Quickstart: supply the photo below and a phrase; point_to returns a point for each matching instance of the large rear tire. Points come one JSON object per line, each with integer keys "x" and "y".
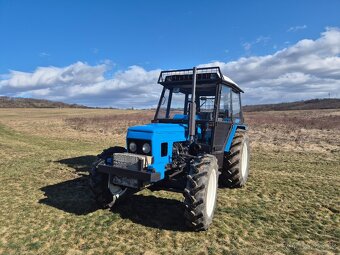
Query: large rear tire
{"x": 201, "y": 192}
{"x": 236, "y": 163}
{"x": 99, "y": 181}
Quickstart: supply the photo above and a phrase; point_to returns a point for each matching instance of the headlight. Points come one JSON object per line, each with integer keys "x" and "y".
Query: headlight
{"x": 133, "y": 147}
{"x": 146, "y": 148}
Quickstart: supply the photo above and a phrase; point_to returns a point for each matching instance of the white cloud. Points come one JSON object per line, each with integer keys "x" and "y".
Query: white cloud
{"x": 83, "y": 83}
{"x": 263, "y": 40}
{"x": 307, "y": 69}
{"x": 296, "y": 28}
{"x": 44, "y": 54}
{"x": 78, "y": 73}
{"x": 246, "y": 46}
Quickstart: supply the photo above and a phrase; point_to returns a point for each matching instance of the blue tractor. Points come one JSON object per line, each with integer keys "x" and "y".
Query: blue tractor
{"x": 196, "y": 142}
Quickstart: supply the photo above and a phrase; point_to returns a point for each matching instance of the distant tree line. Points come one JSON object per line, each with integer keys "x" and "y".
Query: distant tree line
{"x": 312, "y": 104}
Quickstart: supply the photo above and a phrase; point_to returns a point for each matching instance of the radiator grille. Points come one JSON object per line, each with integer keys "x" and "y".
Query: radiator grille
{"x": 130, "y": 161}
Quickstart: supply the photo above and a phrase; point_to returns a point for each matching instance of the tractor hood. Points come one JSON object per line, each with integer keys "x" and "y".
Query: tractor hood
{"x": 159, "y": 128}
{"x": 161, "y": 137}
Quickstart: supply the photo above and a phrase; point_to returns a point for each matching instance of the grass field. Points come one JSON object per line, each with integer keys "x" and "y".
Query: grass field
{"x": 290, "y": 204}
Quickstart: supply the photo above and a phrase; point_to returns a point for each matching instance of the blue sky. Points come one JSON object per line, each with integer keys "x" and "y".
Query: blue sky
{"x": 114, "y": 46}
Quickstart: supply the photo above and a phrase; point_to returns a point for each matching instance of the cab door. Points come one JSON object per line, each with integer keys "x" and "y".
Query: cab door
{"x": 224, "y": 119}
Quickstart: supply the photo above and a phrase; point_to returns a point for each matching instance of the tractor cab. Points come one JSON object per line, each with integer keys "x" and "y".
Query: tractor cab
{"x": 217, "y": 106}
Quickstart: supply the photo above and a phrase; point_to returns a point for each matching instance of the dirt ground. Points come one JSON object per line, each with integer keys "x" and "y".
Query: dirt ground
{"x": 290, "y": 204}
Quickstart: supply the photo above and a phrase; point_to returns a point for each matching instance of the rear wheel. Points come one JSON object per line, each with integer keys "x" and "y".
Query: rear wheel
{"x": 201, "y": 192}
{"x": 105, "y": 193}
{"x": 236, "y": 163}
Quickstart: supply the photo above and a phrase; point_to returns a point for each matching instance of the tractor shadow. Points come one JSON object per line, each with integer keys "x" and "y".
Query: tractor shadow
{"x": 74, "y": 196}
{"x": 80, "y": 164}
{"x": 154, "y": 212}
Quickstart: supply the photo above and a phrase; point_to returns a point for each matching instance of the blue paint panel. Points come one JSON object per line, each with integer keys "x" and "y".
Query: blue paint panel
{"x": 232, "y": 135}
{"x": 158, "y": 128}
{"x": 184, "y": 117}
{"x": 159, "y": 133}
{"x": 180, "y": 117}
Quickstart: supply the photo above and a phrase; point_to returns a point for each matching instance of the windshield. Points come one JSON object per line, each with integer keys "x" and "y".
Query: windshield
{"x": 174, "y": 104}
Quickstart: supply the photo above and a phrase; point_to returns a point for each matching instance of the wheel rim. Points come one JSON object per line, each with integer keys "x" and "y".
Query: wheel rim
{"x": 244, "y": 160}
{"x": 211, "y": 193}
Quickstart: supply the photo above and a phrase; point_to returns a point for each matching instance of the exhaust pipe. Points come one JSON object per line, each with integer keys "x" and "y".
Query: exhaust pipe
{"x": 192, "y": 117}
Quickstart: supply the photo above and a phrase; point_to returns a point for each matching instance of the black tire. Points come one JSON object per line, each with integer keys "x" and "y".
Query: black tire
{"x": 199, "y": 205}
{"x": 234, "y": 173}
{"x": 99, "y": 181}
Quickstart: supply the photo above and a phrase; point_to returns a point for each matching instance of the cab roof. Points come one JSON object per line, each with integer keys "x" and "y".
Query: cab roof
{"x": 206, "y": 77}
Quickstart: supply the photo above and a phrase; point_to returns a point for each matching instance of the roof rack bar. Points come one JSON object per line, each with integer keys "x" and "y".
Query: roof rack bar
{"x": 189, "y": 72}
{"x": 211, "y": 75}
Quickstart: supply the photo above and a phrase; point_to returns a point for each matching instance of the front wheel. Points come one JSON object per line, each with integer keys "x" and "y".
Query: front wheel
{"x": 201, "y": 192}
{"x": 106, "y": 194}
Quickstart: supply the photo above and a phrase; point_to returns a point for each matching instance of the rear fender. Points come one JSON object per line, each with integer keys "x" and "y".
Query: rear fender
{"x": 232, "y": 135}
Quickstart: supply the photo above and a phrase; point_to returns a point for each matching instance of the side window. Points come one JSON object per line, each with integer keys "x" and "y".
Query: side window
{"x": 225, "y": 103}
{"x": 163, "y": 105}
{"x": 177, "y": 104}
{"x": 236, "y": 105}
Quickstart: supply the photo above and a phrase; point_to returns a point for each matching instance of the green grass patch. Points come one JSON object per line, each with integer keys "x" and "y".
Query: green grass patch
{"x": 290, "y": 205}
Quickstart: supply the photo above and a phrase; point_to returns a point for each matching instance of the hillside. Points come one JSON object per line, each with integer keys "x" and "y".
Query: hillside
{"x": 313, "y": 104}
{"x": 17, "y": 102}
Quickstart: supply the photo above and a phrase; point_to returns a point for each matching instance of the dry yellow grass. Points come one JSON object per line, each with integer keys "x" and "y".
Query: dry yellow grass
{"x": 289, "y": 206}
